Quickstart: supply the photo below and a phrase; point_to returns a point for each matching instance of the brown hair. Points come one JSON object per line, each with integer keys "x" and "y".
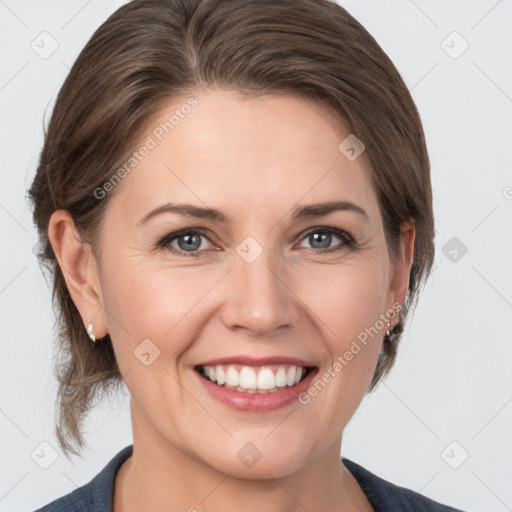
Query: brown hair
{"x": 150, "y": 51}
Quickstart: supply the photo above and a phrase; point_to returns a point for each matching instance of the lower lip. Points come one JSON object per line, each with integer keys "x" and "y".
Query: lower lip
{"x": 257, "y": 402}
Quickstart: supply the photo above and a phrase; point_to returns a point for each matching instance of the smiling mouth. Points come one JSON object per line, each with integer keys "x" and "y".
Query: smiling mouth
{"x": 259, "y": 380}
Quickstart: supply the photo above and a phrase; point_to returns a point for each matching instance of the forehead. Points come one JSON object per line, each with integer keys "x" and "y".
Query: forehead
{"x": 222, "y": 148}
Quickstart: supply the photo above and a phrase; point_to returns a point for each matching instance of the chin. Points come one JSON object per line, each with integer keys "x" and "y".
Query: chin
{"x": 259, "y": 459}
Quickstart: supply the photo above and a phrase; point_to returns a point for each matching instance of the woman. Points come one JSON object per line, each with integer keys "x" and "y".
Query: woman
{"x": 235, "y": 203}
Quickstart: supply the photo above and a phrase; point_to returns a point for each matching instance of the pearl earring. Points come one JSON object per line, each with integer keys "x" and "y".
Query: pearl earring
{"x": 90, "y": 333}
{"x": 388, "y": 332}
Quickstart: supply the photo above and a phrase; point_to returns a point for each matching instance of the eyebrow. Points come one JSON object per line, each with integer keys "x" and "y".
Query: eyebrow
{"x": 302, "y": 212}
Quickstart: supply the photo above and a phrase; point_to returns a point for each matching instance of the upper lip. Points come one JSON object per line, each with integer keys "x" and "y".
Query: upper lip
{"x": 256, "y": 361}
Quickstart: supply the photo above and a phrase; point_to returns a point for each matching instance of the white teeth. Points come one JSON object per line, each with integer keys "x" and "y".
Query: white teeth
{"x": 232, "y": 377}
{"x": 250, "y": 380}
{"x": 281, "y": 378}
{"x": 290, "y": 376}
{"x": 266, "y": 379}
{"x": 220, "y": 376}
{"x": 247, "y": 378}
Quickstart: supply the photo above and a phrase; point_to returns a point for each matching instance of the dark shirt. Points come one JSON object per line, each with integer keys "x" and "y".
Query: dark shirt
{"x": 96, "y": 496}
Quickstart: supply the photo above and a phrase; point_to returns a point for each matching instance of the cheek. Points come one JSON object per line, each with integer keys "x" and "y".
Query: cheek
{"x": 348, "y": 301}
{"x": 151, "y": 321}
{"x": 348, "y": 298}
{"x": 149, "y": 300}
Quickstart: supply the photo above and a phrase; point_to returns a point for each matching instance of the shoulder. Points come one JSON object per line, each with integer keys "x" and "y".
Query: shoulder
{"x": 95, "y": 496}
{"x": 384, "y": 495}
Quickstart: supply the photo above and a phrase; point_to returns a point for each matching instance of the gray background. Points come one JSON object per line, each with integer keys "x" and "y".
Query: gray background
{"x": 441, "y": 423}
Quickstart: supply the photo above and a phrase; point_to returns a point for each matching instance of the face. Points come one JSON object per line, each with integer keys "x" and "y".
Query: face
{"x": 253, "y": 285}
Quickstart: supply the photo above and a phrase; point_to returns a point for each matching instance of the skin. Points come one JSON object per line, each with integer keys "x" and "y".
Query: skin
{"x": 255, "y": 159}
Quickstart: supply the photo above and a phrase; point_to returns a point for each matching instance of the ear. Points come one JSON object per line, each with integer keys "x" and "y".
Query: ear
{"x": 402, "y": 267}
{"x": 79, "y": 268}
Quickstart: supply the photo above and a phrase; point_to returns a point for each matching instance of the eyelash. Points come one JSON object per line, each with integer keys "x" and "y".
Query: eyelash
{"x": 348, "y": 240}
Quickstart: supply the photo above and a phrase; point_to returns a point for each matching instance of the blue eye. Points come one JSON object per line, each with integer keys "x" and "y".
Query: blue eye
{"x": 189, "y": 241}
{"x": 322, "y": 238}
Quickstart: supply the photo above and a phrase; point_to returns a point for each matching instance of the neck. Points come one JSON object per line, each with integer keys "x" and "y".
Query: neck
{"x": 162, "y": 476}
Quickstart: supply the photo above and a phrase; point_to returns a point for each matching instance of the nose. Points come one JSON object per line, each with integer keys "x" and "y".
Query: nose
{"x": 259, "y": 298}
